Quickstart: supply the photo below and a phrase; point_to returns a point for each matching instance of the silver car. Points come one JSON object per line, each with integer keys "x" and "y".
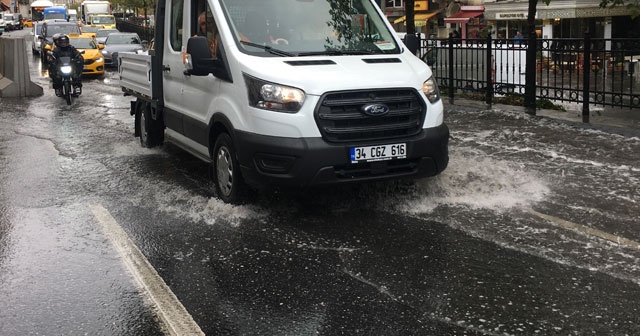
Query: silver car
{"x": 101, "y": 34}
{"x": 35, "y": 40}
{"x": 117, "y": 43}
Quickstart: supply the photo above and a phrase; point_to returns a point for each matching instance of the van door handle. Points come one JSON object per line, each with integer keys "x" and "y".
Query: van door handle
{"x": 166, "y": 68}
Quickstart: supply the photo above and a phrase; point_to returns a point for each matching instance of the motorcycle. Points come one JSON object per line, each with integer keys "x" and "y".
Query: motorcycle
{"x": 65, "y": 68}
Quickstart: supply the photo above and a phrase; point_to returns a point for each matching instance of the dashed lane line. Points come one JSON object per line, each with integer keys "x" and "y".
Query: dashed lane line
{"x": 176, "y": 319}
{"x": 587, "y": 230}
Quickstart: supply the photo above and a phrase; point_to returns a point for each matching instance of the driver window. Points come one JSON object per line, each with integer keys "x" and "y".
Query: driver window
{"x": 205, "y": 25}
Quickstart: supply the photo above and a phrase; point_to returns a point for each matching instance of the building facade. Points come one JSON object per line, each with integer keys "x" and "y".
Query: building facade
{"x": 503, "y": 18}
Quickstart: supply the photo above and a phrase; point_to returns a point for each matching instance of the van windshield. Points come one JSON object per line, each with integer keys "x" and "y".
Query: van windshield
{"x": 309, "y": 27}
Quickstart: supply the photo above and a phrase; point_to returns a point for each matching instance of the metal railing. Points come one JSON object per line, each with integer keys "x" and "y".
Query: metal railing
{"x": 145, "y": 33}
{"x": 586, "y": 71}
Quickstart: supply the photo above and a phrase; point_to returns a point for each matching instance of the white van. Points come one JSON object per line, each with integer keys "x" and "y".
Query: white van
{"x": 294, "y": 93}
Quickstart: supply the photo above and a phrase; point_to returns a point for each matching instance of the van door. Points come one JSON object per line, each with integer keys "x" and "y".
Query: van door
{"x": 172, "y": 68}
{"x": 201, "y": 90}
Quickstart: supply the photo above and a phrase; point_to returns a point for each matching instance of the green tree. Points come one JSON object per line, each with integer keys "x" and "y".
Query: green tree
{"x": 632, "y": 5}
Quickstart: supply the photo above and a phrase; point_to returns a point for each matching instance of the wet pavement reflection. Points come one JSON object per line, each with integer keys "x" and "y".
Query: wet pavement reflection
{"x": 467, "y": 252}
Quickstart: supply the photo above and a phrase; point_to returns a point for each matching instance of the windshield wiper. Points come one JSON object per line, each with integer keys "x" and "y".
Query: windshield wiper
{"x": 269, "y": 49}
{"x": 338, "y": 52}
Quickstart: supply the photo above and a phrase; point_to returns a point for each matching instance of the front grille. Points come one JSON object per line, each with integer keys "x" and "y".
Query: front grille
{"x": 340, "y": 118}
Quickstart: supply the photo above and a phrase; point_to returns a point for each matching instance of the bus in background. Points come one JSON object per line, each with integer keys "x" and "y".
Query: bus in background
{"x": 52, "y": 13}
{"x": 37, "y": 9}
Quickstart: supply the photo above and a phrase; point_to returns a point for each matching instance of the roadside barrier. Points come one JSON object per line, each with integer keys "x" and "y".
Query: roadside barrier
{"x": 15, "y": 79}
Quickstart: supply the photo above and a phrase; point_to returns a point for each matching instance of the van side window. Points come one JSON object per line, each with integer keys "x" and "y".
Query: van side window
{"x": 175, "y": 38}
{"x": 206, "y": 27}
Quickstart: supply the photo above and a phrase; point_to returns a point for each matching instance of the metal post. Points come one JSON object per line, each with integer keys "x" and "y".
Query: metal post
{"x": 489, "y": 62}
{"x": 586, "y": 76}
{"x": 451, "y": 68}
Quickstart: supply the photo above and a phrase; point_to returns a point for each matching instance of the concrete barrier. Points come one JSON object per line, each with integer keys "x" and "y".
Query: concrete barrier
{"x": 15, "y": 77}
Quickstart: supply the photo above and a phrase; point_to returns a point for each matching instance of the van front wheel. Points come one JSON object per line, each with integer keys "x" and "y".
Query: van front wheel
{"x": 228, "y": 182}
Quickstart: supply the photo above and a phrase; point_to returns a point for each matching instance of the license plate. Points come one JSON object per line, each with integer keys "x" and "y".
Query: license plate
{"x": 378, "y": 153}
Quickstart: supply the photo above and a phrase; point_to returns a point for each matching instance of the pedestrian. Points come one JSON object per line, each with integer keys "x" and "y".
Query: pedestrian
{"x": 518, "y": 39}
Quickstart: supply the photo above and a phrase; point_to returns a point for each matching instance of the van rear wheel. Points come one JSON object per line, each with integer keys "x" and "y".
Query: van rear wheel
{"x": 151, "y": 134}
{"x": 228, "y": 182}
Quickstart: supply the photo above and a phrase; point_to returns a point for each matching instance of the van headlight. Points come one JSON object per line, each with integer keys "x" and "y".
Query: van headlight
{"x": 430, "y": 90}
{"x": 273, "y": 97}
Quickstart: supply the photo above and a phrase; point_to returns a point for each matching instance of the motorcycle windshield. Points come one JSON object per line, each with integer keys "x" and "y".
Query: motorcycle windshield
{"x": 65, "y": 60}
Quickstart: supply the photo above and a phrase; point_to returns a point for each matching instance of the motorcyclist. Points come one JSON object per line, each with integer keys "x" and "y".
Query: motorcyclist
{"x": 64, "y": 49}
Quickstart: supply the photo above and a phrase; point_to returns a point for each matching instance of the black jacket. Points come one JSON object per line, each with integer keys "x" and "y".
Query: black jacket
{"x": 69, "y": 51}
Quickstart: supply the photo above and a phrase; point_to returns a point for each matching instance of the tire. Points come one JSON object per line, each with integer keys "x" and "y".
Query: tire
{"x": 151, "y": 133}
{"x": 66, "y": 92}
{"x": 227, "y": 179}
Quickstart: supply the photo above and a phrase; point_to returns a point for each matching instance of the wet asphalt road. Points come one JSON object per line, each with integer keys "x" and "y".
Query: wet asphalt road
{"x": 532, "y": 230}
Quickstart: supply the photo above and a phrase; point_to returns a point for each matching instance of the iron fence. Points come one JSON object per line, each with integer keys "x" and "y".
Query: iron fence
{"x": 586, "y": 71}
{"x": 145, "y": 32}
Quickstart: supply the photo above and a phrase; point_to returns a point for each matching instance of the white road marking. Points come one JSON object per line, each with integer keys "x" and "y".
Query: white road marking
{"x": 176, "y": 319}
{"x": 588, "y": 230}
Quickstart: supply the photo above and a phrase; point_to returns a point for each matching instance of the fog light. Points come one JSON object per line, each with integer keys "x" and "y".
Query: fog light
{"x": 277, "y": 164}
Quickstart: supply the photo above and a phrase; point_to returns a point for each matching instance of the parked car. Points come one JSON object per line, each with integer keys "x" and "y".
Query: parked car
{"x": 101, "y": 34}
{"x": 8, "y": 21}
{"x": 35, "y": 39}
{"x": 3, "y": 25}
{"x": 120, "y": 42}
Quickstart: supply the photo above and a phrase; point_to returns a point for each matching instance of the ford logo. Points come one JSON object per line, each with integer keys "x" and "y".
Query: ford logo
{"x": 375, "y": 110}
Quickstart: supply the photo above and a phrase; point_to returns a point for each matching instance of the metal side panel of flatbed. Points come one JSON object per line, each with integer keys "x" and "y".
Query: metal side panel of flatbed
{"x": 135, "y": 75}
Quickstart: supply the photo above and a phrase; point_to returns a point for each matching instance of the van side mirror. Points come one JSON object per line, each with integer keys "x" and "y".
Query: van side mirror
{"x": 202, "y": 63}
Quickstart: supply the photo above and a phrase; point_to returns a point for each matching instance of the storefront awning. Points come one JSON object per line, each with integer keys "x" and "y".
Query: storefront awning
{"x": 420, "y": 19}
{"x": 462, "y": 17}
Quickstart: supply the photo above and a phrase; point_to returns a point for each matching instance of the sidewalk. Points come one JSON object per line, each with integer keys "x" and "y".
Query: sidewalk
{"x": 610, "y": 119}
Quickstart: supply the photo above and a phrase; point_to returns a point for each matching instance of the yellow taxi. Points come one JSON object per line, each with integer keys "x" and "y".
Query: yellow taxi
{"x": 93, "y": 60}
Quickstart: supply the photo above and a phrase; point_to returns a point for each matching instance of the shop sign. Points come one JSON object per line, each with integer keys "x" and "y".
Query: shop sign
{"x": 512, "y": 16}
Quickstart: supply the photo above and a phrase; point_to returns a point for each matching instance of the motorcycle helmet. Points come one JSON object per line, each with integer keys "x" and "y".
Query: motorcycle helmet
{"x": 55, "y": 37}
{"x": 62, "y": 41}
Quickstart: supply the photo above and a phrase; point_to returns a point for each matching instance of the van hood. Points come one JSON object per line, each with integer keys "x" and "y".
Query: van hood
{"x": 318, "y": 75}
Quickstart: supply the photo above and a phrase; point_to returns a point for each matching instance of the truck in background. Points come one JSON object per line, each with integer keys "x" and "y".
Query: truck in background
{"x": 91, "y": 7}
{"x": 106, "y": 21}
{"x": 312, "y": 96}
{"x": 72, "y": 15}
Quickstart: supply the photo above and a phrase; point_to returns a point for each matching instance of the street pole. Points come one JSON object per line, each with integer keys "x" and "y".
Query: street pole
{"x": 530, "y": 72}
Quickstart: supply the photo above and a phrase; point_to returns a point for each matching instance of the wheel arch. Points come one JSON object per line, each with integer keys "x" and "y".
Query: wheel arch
{"x": 219, "y": 124}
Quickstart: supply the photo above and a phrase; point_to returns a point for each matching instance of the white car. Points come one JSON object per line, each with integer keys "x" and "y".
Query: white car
{"x": 35, "y": 41}
{"x": 8, "y": 21}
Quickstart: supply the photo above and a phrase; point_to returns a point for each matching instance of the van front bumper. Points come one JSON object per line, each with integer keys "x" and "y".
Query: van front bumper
{"x": 305, "y": 162}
